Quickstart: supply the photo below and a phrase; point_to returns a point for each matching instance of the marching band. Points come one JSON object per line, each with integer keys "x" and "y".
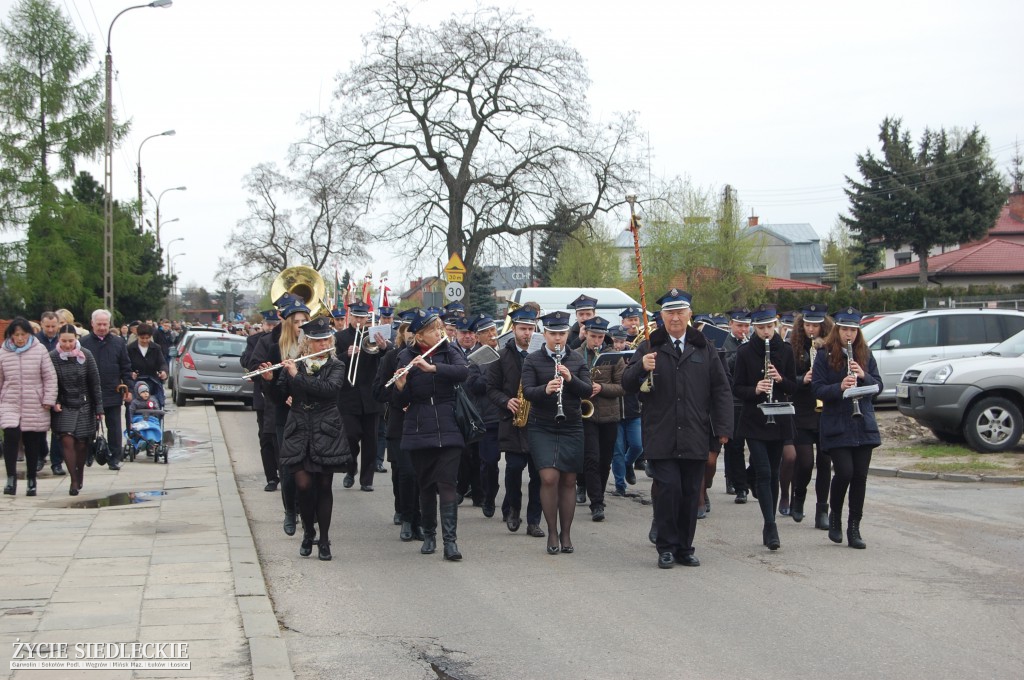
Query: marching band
{"x": 450, "y": 397}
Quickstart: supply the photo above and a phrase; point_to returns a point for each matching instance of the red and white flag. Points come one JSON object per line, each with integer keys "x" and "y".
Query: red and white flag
{"x": 384, "y": 297}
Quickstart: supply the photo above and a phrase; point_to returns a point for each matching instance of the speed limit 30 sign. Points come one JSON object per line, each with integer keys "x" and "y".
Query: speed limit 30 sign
{"x": 454, "y": 291}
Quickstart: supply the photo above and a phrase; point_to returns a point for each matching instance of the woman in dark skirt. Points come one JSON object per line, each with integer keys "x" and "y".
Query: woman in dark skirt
{"x": 314, "y": 446}
{"x": 556, "y": 436}
{"x": 79, "y": 404}
{"x": 430, "y": 433}
{"x": 847, "y": 437}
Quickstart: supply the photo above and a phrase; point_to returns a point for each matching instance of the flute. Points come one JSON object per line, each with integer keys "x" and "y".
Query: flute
{"x": 408, "y": 367}
{"x": 277, "y": 366}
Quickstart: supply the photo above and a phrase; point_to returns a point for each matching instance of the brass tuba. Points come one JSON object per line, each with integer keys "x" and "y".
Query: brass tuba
{"x": 586, "y": 408}
{"x": 507, "y": 325}
{"x": 304, "y": 282}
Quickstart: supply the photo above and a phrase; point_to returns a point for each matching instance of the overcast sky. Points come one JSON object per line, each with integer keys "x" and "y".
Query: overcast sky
{"x": 775, "y": 99}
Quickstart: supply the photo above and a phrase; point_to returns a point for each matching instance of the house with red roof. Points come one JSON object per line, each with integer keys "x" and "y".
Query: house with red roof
{"x": 998, "y": 259}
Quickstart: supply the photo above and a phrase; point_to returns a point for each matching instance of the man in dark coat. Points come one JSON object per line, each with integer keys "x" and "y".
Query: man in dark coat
{"x": 111, "y": 354}
{"x": 359, "y": 409}
{"x": 690, "y": 398}
{"x": 267, "y": 437}
{"x": 488, "y": 450}
{"x": 504, "y": 377}
{"x": 586, "y": 308}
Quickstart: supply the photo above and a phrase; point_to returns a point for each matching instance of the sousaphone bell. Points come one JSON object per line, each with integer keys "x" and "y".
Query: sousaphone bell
{"x": 304, "y": 282}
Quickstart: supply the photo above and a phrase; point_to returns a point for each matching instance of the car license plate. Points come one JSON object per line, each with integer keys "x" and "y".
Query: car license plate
{"x": 903, "y": 391}
{"x": 221, "y": 388}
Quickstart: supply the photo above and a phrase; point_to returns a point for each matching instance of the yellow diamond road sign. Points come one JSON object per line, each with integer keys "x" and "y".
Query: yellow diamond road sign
{"x": 455, "y": 269}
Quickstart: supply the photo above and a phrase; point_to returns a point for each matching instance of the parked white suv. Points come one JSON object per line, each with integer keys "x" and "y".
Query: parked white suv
{"x": 902, "y": 339}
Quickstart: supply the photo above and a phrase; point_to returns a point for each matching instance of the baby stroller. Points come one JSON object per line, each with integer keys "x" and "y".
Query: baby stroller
{"x": 146, "y": 431}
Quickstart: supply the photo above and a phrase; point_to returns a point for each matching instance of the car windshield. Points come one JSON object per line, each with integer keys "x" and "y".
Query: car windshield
{"x": 223, "y": 346}
{"x": 1011, "y": 347}
{"x": 879, "y": 326}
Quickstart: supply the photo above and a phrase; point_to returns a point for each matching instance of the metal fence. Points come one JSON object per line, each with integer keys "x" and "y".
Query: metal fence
{"x": 1015, "y": 301}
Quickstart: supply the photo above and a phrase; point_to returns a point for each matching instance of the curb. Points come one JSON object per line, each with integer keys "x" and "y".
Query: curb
{"x": 268, "y": 652}
{"x": 942, "y": 476}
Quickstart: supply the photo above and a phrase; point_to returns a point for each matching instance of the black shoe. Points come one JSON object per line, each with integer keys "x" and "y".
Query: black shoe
{"x": 12, "y": 486}
{"x": 114, "y": 465}
{"x": 406, "y": 533}
{"x": 853, "y": 538}
{"x": 652, "y": 535}
{"x": 741, "y": 497}
{"x": 365, "y": 487}
{"x": 271, "y": 486}
{"x": 701, "y": 512}
{"x": 306, "y": 547}
{"x": 40, "y": 464}
{"x": 821, "y": 516}
{"x": 90, "y": 459}
{"x": 630, "y": 476}
{"x": 796, "y": 511}
{"x": 397, "y": 519}
{"x": 73, "y": 491}
{"x": 513, "y": 522}
{"x": 619, "y": 492}
{"x": 666, "y": 560}
{"x": 835, "y": 528}
{"x": 348, "y": 481}
{"x": 687, "y": 560}
{"x": 31, "y": 491}
{"x": 597, "y": 513}
{"x": 58, "y": 470}
{"x": 554, "y": 549}
{"x": 535, "y": 531}
{"x": 567, "y": 549}
{"x": 729, "y": 488}
{"x": 581, "y": 496}
{"x": 289, "y": 523}
{"x": 640, "y": 463}
{"x": 381, "y": 468}
{"x": 325, "y": 550}
{"x": 770, "y": 535}
{"x": 488, "y": 509}
{"x": 429, "y": 541}
{"x": 417, "y": 532}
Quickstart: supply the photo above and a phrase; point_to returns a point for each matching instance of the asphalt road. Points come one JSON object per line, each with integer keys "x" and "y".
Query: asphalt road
{"x": 939, "y": 593}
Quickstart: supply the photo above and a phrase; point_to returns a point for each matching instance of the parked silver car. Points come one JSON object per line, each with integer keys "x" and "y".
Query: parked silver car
{"x": 980, "y": 399}
{"x": 902, "y": 339}
{"x": 207, "y": 365}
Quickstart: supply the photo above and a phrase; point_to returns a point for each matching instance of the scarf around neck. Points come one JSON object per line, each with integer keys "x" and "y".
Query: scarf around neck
{"x": 11, "y": 347}
{"x": 75, "y": 354}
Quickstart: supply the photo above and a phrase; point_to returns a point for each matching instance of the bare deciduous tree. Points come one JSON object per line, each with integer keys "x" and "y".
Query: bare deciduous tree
{"x": 471, "y": 132}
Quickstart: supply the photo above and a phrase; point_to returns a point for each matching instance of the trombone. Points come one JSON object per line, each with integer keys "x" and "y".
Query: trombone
{"x": 361, "y": 343}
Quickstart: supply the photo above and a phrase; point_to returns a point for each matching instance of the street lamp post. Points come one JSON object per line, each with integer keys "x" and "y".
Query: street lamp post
{"x": 174, "y": 284}
{"x": 157, "y": 199}
{"x": 138, "y": 168}
{"x": 180, "y": 238}
{"x": 108, "y": 164}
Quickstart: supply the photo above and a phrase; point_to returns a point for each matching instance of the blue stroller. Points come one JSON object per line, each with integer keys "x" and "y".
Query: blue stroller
{"x": 146, "y": 431}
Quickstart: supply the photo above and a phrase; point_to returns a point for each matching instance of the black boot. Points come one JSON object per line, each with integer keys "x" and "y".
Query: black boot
{"x": 835, "y": 527}
{"x": 429, "y": 539}
{"x": 324, "y": 550}
{"x": 449, "y": 524}
{"x": 428, "y": 518}
{"x": 853, "y": 538}
{"x": 289, "y": 523}
{"x": 417, "y": 532}
{"x": 115, "y": 460}
{"x": 306, "y": 548}
{"x": 770, "y": 535}
{"x": 797, "y": 510}
{"x": 406, "y": 533}
{"x": 31, "y": 487}
{"x": 821, "y": 516}
{"x": 12, "y": 485}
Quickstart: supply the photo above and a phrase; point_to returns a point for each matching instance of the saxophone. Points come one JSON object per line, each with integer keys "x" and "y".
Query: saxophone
{"x": 522, "y": 414}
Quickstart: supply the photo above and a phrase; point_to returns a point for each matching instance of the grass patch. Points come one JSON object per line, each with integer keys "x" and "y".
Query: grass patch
{"x": 936, "y": 450}
{"x": 960, "y": 466}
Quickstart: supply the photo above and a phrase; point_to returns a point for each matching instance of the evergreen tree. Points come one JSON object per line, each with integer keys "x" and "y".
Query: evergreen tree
{"x": 51, "y": 111}
{"x": 560, "y": 228}
{"x": 480, "y": 297}
{"x": 944, "y": 192}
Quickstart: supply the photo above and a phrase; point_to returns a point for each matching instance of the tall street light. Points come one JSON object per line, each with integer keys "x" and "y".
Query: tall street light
{"x": 170, "y": 293}
{"x": 157, "y": 199}
{"x": 108, "y": 165}
{"x": 174, "y": 284}
{"x": 138, "y": 167}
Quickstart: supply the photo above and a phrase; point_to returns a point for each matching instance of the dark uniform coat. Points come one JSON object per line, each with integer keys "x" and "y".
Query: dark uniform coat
{"x": 690, "y": 400}
{"x": 111, "y": 354}
{"x": 268, "y": 350}
{"x": 538, "y": 370}
{"x": 837, "y": 426}
{"x": 503, "y": 379}
{"x": 79, "y": 395}
{"x": 314, "y": 428}
{"x": 430, "y": 398}
{"x": 358, "y": 399}
{"x": 245, "y": 360}
{"x": 753, "y": 424}
{"x": 395, "y": 417}
{"x": 804, "y": 401}
{"x": 476, "y": 387}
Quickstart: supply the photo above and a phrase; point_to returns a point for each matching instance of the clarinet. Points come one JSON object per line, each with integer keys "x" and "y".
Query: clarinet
{"x": 767, "y": 365}
{"x": 559, "y": 412}
{"x": 849, "y": 371}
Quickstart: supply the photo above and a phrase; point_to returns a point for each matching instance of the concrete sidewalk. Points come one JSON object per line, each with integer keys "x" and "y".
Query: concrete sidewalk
{"x": 179, "y": 567}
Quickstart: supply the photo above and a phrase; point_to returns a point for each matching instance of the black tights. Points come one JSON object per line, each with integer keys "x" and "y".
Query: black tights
{"x": 823, "y": 478}
{"x": 316, "y": 500}
{"x": 804, "y": 466}
{"x": 558, "y": 501}
{"x": 35, "y": 446}
{"x": 74, "y": 456}
{"x": 850, "y": 471}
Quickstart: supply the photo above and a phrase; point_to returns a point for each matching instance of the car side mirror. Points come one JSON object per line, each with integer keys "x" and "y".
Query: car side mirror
{"x": 892, "y": 344}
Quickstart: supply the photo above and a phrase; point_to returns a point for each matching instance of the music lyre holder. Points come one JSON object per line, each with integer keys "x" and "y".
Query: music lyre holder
{"x": 777, "y": 408}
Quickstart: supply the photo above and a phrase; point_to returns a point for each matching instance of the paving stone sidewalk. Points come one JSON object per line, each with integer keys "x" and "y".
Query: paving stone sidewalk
{"x": 179, "y": 567}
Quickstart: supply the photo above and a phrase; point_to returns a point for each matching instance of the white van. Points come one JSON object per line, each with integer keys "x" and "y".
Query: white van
{"x": 610, "y": 301}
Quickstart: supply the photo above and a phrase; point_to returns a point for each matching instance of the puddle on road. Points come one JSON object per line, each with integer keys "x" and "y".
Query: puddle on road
{"x": 122, "y": 498}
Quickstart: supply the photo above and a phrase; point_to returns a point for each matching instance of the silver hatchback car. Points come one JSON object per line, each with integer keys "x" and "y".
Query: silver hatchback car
{"x": 207, "y": 365}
